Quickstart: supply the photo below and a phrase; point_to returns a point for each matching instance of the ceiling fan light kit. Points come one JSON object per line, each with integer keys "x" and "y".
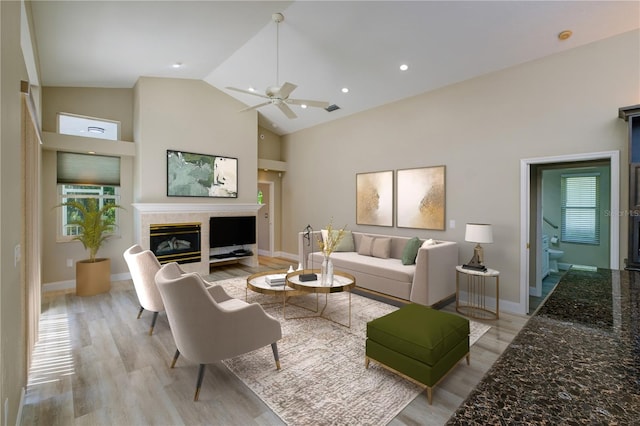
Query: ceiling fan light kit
{"x": 279, "y": 95}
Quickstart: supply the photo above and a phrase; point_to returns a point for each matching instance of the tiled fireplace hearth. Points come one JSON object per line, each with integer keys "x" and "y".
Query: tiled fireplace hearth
{"x": 150, "y": 215}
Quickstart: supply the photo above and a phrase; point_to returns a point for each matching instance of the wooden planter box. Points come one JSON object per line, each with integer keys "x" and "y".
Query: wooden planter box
{"x": 93, "y": 277}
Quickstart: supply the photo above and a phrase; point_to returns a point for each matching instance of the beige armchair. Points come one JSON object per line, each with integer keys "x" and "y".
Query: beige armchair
{"x": 208, "y": 325}
{"x": 143, "y": 266}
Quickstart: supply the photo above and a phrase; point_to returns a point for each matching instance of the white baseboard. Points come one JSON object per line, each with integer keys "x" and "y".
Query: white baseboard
{"x": 505, "y": 305}
{"x": 288, "y": 256}
{"x": 19, "y": 415}
{"x": 71, "y": 284}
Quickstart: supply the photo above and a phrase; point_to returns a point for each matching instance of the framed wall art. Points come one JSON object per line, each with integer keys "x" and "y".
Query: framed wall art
{"x": 421, "y": 198}
{"x": 374, "y": 198}
{"x": 201, "y": 175}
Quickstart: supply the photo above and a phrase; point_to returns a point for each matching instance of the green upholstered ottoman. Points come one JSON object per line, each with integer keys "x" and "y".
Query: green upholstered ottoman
{"x": 418, "y": 342}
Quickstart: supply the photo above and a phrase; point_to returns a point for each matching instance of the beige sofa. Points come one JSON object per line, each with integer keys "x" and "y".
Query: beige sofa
{"x": 430, "y": 280}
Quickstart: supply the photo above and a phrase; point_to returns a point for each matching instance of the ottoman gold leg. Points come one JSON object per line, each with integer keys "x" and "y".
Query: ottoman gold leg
{"x": 366, "y": 362}
{"x": 429, "y": 394}
{"x": 468, "y": 358}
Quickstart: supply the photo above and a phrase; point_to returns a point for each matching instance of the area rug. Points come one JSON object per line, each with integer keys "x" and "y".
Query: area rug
{"x": 323, "y": 380}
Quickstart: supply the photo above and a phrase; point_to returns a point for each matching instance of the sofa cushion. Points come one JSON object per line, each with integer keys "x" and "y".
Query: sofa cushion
{"x": 391, "y": 269}
{"x": 366, "y": 244}
{"x": 381, "y": 248}
{"x": 411, "y": 251}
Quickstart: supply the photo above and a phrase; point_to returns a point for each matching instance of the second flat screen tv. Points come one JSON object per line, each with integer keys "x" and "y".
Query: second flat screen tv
{"x": 225, "y": 231}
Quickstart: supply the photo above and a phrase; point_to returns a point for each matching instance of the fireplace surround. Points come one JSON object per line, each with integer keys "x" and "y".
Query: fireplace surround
{"x": 147, "y": 214}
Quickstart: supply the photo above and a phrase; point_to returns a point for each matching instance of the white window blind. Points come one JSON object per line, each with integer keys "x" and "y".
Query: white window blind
{"x": 580, "y": 208}
{"x": 87, "y": 169}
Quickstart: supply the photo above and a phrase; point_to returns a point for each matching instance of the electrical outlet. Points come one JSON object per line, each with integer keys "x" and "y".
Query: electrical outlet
{"x": 69, "y": 263}
{"x": 452, "y": 224}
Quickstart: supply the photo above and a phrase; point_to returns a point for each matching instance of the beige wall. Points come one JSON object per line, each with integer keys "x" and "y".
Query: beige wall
{"x": 176, "y": 114}
{"x": 190, "y": 115}
{"x": 12, "y": 283}
{"x": 480, "y": 130}
{"x": 269, "y": 148}
{"x": 55, "y": 254}
{"x": 110, "y": 104}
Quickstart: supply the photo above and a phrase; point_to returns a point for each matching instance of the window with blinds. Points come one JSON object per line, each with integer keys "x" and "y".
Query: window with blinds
{"x": 81, "y": 177}
{"x": 580, "y": 207}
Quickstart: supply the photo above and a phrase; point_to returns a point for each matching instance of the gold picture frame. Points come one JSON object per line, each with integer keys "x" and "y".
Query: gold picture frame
{"x": 421, "y": 198}
{"x": 374, "y": 198}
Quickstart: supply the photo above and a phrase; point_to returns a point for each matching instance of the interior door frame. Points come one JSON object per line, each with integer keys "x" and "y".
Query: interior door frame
{"x": 525, "y": 211}
{"x": 271, "y": 186}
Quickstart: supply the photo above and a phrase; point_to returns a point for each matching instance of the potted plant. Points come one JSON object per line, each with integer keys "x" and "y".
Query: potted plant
{"x": 94, "y": 223}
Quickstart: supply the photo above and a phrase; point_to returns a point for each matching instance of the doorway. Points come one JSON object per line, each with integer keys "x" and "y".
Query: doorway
{"x": 266, "y": 218}
{"x": 533, "y": 224}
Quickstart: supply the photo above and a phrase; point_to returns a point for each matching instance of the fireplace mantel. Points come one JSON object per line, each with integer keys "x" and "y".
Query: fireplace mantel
{"x": 195, "y": 208}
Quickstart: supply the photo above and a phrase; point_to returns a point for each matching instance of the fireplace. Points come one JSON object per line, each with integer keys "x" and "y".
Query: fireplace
{"x": 175, "y": 242}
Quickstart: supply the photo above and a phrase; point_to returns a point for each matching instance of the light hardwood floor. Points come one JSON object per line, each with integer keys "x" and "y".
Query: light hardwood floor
{"x": 95, "y": 364}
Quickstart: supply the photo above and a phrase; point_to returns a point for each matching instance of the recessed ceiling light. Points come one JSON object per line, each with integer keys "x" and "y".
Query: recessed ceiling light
{"x": 404, "y": 67}
{"x": 303, "y": 106}
{"x": 564, "y": 34}
{"x": 177, "y": 65}
{"x": 345, "y": 90}
{"x": 91, "y": 152}
{"x": 94, "y": 129}
{"x": 251, "y": 89}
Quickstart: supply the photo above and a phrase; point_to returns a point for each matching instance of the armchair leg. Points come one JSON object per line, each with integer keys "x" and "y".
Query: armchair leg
{"x": 274, "y": 348}
{"x": 199, "y": 384}
{"x": 175, "y": 358}
{"x": 140, "y": 312}
{"x": 153, "y": 322}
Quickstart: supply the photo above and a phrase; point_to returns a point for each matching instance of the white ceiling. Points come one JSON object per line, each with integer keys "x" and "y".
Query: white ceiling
{"x": 324, "y": 45}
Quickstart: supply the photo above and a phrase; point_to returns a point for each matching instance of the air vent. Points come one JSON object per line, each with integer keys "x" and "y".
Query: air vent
{"x": 332, "y": 107}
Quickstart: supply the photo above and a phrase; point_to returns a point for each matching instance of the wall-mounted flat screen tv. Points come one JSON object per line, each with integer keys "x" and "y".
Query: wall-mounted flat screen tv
{"x": 225, "y": 231}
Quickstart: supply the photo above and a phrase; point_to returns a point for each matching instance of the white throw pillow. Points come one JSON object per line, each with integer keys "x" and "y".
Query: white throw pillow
{"x": 429, "y": 242}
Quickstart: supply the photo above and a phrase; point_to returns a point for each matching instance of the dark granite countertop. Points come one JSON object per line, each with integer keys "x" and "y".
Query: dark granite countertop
{"x": 576, "y": 361}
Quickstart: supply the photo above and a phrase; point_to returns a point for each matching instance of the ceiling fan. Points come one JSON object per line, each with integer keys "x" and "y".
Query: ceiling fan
{"x": 279, "y": 95}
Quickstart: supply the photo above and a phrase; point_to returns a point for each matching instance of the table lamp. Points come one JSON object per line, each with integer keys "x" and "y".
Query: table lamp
{"x": 478, "y": 233}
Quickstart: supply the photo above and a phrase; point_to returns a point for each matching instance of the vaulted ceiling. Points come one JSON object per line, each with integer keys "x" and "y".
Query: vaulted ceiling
{"x": 324, "y": 46}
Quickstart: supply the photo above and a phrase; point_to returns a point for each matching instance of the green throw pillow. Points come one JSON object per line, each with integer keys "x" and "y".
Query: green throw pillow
{"x": 346, "y": 243}
{"x": 411, "y": 251}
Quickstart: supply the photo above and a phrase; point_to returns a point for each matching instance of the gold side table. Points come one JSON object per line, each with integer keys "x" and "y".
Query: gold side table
{"x": 474, "y": 285}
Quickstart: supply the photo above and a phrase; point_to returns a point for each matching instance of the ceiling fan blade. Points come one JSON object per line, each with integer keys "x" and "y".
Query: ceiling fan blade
{"x": 255, "y": 106}
{"x": 286, "y": 110}
{"x": 308, "y": 102}
{"x": 248, "y": 92}
{"x": 286, "y": 89}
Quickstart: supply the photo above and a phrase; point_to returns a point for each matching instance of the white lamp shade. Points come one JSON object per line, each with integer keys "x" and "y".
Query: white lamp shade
{"x": 479, "y": 233}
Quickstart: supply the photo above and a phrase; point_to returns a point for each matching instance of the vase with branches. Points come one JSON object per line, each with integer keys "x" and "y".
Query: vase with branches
{"x": 327, "y": 244}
